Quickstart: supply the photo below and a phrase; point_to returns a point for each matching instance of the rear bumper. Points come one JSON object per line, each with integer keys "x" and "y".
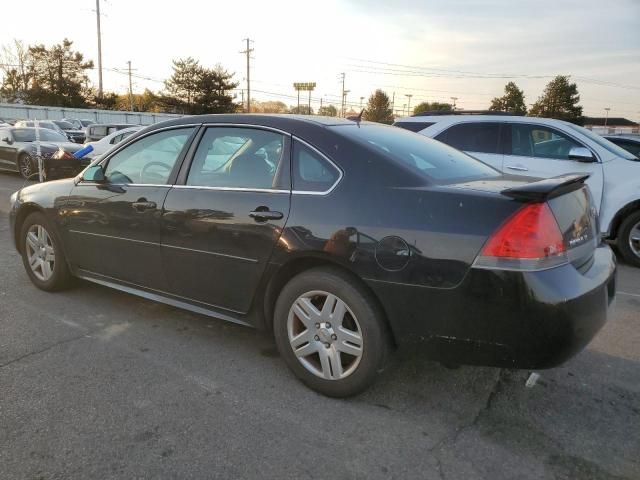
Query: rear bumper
{"x": 504, "y": 318}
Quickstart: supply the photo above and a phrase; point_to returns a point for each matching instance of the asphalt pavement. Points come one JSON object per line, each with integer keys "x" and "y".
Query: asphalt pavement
{"x": 98, "y": 384}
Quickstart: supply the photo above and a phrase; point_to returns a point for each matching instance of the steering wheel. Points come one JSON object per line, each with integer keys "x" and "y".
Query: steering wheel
{"x": 159, "y": 177}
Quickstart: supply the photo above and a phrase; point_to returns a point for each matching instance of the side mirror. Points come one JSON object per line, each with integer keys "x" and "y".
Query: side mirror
{"x": 94, "y": 173}
{"x": 7, "y": 140}
{"x": 581, "y": 154}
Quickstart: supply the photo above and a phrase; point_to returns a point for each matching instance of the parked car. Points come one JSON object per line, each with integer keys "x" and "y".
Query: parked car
{"x": 543, "y": 147}
{"x": 106, "y": 143}
{"x": 342, "y": 238}
{"x": 98, "y": 131}
{"x": 18, "y": 153}
{"x": 631, "y": 143}
{"x": 8, "y": 121}
{"x": 79, "y": 124}
{"x": 75, "y": 135}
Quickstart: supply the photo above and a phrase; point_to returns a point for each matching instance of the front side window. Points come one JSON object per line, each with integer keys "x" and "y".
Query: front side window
{"x": 481, "y": 137}
{"x": 234, "y": 157}
{"x": 150, "y": 160}
{"x": 312, "y": 172}
{"x": 540, "y": 142}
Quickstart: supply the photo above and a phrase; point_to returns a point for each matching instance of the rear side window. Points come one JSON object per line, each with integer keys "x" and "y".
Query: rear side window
{"x": 413, "y": 126}
{"x": 311, "y": 171}
{"x": 481, "y": 137}
{"x": 433, "y": 160}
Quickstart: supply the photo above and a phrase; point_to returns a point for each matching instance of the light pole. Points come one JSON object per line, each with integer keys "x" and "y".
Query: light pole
{"x": 99, "y": 50}
{"x": 606, "y": 118}
{"x": 454, "y": 102}
{"x": 361, "y": 99}
{"x": 408, "y": 95}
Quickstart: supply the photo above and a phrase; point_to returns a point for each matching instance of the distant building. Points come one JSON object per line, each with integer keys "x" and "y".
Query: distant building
{"x": 613, "y": 125}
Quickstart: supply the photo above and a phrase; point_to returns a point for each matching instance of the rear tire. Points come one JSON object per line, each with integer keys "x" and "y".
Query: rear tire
{"x": 628, "y": 241}
{"x": 42, "y": 254}
{"x": 331, "y": 332}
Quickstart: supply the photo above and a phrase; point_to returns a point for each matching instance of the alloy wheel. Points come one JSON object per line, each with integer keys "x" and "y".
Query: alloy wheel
{"x": 40, "y": 252}
{"x": 26, "y": 166}
{"x": 325, "y": 335}
{"x": 634, "y": 239}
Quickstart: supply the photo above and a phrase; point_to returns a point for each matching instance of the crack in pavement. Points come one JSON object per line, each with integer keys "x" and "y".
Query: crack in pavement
{"x": 42, "y": 350}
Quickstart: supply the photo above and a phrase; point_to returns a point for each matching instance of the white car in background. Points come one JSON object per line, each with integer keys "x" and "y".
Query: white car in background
{"x": 107, "y": 143}
{"x": 543, "y": 147}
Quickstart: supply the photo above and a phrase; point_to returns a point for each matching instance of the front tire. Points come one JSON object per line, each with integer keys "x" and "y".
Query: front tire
{"x": 331, "y": 332}
{"x": 628, "y": 240}
{"x": 42, "y": 254}
{"x": 27, "y": 166}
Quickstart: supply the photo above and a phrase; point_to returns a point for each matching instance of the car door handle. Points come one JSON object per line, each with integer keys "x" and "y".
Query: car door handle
{"x": 142, "y": 205}
{"x": 518, "y": 168}
{"x": 264, "y": 215}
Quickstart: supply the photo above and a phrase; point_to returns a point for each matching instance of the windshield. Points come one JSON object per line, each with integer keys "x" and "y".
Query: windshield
{"x": 603, "y": 142}
{"x": 86, "y": 123}
{"x": 27, "y": 135}
{"x": 430, "y": 158}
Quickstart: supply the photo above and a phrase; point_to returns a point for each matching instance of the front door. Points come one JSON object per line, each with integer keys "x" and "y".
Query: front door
{"x": 114, "y": 226}
{"x": 543, "y": 152}
{"x": 219, "y": 228}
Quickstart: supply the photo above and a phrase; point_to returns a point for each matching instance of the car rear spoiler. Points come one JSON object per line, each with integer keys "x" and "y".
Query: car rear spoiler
{"x": 547, "y": 188}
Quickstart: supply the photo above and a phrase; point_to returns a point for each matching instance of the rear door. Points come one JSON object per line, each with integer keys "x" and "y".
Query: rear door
{"x": 220, "y": 225}
{"x": 481, "y": 140}
{"x": 542, "y": 152}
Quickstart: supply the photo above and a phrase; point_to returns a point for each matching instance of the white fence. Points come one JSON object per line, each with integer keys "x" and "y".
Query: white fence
{"x": 30, "y": 112}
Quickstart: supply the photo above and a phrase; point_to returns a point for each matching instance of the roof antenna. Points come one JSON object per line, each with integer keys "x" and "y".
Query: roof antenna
{"x": 356, "y": 118}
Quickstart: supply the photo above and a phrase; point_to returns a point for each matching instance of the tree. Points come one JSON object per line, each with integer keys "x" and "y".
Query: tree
{"x": 559, "y": 100}
{"x": 512, "y": 101}
{"x": 14, "y": 63}
{"x": 58, "y": 75}
{"x": 379, "y": 108}
{"x": 432, "y": 107}
{"x": 328, "y": 111}
{"x": 213, "y": 89}
{"x": 271, "y": 106}
{"x": 302, "y": 110}
{"x": 183, "y": 83}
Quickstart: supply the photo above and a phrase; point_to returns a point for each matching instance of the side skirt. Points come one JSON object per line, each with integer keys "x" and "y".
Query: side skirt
{"x": 156, "y": 296}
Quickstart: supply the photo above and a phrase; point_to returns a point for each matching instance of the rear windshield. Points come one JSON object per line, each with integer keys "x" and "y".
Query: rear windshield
{"x": 413, "y": 126}
{"x": 433, "y": 160}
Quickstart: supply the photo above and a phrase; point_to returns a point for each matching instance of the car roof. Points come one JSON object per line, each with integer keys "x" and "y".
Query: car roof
{"x": 479, "y": 118}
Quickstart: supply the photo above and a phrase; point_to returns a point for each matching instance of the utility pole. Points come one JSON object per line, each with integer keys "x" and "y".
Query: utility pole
{"x": 361, "y": 99}
{"x": 343, "y": 95}
{"x": 393, "y": 103}
{"x": 130, "y": 88}
{"x": 248, "y": 53}
{"x": 320, "y": 110}
{"x": 242, "y": 93}
{"x": 344, "y": 109}
{"x": 99, "y": 50}
{"x": 606, "y": 118}
{"x": 408, "y": 95}
{"x": 454, "y": 102}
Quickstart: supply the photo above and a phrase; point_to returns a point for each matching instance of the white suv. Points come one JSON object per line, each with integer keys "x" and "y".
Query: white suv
{"x": 542, "y": 147}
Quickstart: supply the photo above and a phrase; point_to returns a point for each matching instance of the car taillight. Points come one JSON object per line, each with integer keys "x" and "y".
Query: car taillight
{"x": 529, "y": 240}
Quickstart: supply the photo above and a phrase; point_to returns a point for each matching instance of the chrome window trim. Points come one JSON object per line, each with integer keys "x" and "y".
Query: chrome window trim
{"x": 248, "y": 125}
{"x": 230, "y": 189}
{"x": 325, "y": 157}
{"x": 93, "y": 184}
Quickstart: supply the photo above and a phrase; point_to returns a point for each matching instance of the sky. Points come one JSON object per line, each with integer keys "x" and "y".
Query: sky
{"x": 430, "y": 49}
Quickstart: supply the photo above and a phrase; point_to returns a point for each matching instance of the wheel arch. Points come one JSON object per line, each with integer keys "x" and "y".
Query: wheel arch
{"x": 620, "y": 216}
{"x": 24, "y": 211}
{"x": 297, "y": 265}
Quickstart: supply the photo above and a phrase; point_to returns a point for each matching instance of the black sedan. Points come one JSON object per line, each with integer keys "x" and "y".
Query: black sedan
{"x": 18, "y": 153}
{"x": 344, "y": 239}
